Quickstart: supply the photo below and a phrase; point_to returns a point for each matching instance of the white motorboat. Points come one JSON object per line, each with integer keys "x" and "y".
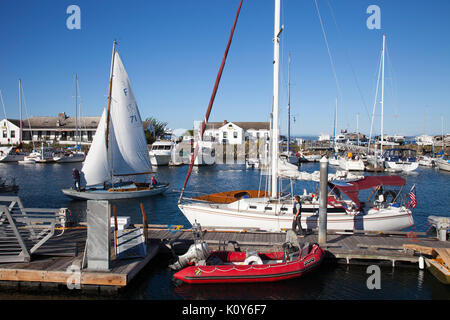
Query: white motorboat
{"x": 272, "y": 211}
{"x": 351, "y": 162}
{"x": 308, "y": 157}
{"x": 161, "y": 152}
{"x": 443, "y": 163}
{"x": 290, "y": 157}
{"x": 119, "y": 148}
{"x": 425, "y": 161}
{"x": 252, "y": 163}
{"x": 10, "y": 154}
{"x": 72, "y": 156}
{"x": 400, "y": 160}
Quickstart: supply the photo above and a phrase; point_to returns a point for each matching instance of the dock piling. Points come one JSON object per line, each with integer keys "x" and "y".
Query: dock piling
{"x": 323, "y": 199}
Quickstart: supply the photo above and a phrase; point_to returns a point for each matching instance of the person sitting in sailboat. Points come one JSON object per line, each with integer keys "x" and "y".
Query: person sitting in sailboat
{"x": 154, "y": 182}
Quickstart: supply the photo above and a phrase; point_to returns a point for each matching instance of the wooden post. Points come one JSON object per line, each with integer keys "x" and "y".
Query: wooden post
{"x": 144, "y": 224}
{"x": 116, "y": 228}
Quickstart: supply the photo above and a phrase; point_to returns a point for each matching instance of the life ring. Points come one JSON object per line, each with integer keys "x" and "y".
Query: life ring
{"x": 391, "y": 193}
{"x": 253, "y": 260}
{"x": 297, "y": 224}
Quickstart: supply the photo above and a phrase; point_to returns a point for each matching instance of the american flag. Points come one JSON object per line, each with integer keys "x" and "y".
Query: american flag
{"x": 412, "y": 197}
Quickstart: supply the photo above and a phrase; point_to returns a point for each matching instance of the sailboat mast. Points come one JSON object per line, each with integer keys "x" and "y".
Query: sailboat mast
{"x": 76, "y": 110}
{"x": 289, "y": 105}
{"x": 357, "y": 127}
{"x": 108, "y": 114}
{"x": 276, "y": 69}
{"x": 382, "y": 93}
{"x": 20, "y": 111}
{"x": 335, "y": 124}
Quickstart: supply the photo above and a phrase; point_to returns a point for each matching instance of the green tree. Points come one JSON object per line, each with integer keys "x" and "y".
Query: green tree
{"x": 155, "y": 129}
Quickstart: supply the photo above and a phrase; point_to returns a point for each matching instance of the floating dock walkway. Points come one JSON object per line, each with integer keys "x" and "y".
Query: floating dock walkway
{"x": 58, "y": 263}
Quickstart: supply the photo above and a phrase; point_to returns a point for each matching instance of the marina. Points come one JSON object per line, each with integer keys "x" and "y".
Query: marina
{"x": 145, "y": 202}
{"x": 168, "y": 229}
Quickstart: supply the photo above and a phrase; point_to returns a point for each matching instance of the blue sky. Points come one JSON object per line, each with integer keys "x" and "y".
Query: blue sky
{"x": 172, "y": 50}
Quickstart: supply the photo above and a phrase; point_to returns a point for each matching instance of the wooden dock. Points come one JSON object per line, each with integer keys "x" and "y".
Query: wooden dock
{"x": 59, "y": 261}
{"x": 349, "y": 247}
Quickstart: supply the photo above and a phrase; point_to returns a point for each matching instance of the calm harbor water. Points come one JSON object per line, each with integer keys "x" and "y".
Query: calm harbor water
{"x": 41, "y": 184}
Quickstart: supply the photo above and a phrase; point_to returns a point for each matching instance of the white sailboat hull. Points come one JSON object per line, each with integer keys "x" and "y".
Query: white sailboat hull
{"x": 77, "y": 157}
{"x": 211, "y": 215}
{"x": 12, "y": 158}
{"x": 100, "y": 194}
{"x": 398, "y": 166}
{"x": 443, "y": 164}
{"x": 333, "y": 161}
{"x": 351, "y": 165}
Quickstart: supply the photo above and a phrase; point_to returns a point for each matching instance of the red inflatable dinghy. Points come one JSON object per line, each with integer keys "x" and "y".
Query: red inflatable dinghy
{"x": 234, "y": 267}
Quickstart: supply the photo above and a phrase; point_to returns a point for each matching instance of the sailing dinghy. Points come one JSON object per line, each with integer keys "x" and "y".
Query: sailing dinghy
{"x": 119, "y": 148}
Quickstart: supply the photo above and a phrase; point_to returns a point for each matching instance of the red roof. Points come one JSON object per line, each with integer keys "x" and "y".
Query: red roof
{"x": 352, "y": 188}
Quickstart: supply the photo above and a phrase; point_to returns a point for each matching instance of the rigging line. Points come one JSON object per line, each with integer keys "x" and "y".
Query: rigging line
{"x": 79, "y": 110}
{"x": 329, "y": 52}
{"x": 374, "y": 103}
{"x": 348, "y": 59}
{"x": 393, "y": 89}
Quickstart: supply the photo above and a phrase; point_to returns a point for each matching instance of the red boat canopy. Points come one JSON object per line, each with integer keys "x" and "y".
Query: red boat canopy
{"x": 352, "y": 188}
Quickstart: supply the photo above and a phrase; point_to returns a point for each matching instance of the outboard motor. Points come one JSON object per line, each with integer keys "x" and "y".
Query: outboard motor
{"x": 291, "y": 247}
{"x": 197, "y": 252}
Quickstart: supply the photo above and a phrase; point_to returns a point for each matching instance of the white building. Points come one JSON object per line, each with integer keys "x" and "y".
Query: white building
{"x": 236, "y": 132}
{"x": 10, "y": 131}
{"x": 57, "y": 130}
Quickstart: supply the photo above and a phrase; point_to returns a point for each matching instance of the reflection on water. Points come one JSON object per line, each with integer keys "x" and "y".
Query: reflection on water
{"x": 41, "y": 184}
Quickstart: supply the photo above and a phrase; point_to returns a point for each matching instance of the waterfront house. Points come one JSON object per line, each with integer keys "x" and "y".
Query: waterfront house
{"x": 55, "y": 130}
{"x": 236, "y": 132}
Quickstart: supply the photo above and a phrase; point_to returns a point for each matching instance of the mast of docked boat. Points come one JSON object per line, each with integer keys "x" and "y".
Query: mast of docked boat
{"x": 20, "y": 112}
{"x": 76, "y": 111}
{"x": 382, "y": 93}
{"x": 335, "y": 124}
{"x": 289, "y": 106}
{"x": 276, "y": 69}
{"x": 108, "y": 113}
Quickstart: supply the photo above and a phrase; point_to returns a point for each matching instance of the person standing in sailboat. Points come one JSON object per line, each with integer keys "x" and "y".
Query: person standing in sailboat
{"x": 296, "y": 223}
{"x": 76, "y": 179}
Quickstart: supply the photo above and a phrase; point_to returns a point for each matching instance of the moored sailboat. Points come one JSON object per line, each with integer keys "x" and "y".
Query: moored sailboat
{"x": 119, "y": 148}
{"x": 273, "y": 211}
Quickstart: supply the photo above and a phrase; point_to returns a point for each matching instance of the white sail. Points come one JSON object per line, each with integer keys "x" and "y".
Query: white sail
{"x": 128, "y": 148}
{"x": 96, "y": 168}
{"x": 127, "y": 151}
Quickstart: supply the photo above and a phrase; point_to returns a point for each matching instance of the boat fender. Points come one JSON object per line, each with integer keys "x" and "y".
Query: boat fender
{"x": 253, "y": 259}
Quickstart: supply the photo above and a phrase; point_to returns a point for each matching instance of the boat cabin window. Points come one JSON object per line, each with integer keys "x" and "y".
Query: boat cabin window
{"x": 284, "y": 209}
{"x": 241, "y": 195}
{"x": 252, "y": 207}
{"x": 159, "y": 147}
{"x": 267, "y": 208}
